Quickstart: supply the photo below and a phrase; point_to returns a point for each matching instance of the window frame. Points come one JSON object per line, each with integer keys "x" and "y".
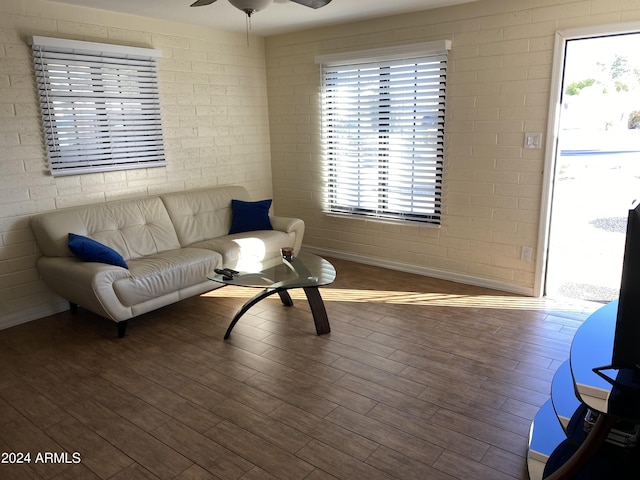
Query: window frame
{"x": 100, "y": 105}
{"x": 406, "y": 149}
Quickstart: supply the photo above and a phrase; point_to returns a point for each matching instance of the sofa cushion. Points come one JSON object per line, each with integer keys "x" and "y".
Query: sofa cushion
{"x": 134, "y": 228}
{"x": 249, "y": 216}
{"x": 257, "y": 246}
{"x": 165, "y": 272}
{"x": 199, "y": 215}
{"x": 88, "y": 250}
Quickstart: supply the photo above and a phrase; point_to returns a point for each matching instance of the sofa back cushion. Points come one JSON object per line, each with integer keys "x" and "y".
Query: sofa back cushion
{"x": 134, "y": 228}
{"x": 203, "y": 214}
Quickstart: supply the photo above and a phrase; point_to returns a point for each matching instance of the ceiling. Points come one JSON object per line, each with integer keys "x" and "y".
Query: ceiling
{"x": 281, "y": 16}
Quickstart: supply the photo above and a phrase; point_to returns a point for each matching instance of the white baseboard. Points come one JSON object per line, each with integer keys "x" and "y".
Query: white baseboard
{"x": 33, "y": 314}
{"x": 426, "y": 271}
{"x": 46, "y": 310}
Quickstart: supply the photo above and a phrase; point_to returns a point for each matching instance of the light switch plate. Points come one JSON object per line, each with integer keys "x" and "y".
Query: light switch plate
{"x": 532, "y": 140}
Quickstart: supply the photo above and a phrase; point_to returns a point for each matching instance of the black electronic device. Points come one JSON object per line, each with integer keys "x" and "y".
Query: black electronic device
{"x": 227, "y": 273}
{"x": 623, "y": 434}
{"x": 626, "y": 344}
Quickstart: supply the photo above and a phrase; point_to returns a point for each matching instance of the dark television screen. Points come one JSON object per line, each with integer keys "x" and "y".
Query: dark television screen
{"x": 626, "y": 344}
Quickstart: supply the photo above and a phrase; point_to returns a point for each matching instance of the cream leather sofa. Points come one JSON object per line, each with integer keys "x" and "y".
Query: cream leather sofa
{"x": 170, "y": 243}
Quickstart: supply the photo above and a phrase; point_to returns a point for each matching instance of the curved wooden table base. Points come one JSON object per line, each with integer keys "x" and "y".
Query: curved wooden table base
{"x": 313, "y": 296}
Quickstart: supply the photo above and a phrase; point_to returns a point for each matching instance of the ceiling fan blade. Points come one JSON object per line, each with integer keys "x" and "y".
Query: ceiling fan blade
{"x": 201, "y": 3}
{"x": 312, "y": 3}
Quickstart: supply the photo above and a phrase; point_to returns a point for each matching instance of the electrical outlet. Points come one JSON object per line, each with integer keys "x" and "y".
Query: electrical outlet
{"x": 532, "y": 140}
{"x": 526, "y": 254}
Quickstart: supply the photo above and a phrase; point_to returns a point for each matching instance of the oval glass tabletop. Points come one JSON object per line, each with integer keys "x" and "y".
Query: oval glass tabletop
{"x": 303, "y": 270}
{"x": 278, "y": 275}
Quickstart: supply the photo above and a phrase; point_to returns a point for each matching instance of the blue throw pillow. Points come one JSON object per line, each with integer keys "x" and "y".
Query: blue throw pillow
{"x": 248, "y": 216}
{"x": 88, "y": 250}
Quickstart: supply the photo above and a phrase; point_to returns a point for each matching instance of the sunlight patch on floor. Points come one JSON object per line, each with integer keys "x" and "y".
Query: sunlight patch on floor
{"x": 398, "y": 297}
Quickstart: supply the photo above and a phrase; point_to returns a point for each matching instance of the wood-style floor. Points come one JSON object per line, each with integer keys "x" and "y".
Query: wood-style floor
{"x": 419, "y": 379}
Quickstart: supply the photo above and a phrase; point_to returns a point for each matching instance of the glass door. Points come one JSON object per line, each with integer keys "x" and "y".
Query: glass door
{"x": 597, "y": 173}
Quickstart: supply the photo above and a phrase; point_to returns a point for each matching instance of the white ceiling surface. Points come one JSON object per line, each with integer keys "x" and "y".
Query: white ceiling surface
{"x": 281, "y": 16}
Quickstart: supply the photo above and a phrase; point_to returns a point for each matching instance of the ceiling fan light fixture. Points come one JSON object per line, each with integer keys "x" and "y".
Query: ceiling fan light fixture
{"x": 250, "y": 6}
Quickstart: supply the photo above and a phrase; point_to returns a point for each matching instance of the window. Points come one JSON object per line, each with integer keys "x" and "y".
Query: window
{"x": 100, "y": 106}
{"x": 383, "y": 131}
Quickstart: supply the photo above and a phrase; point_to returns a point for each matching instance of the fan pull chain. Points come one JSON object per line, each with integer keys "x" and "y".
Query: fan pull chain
{"x": 249, "y": 12}
{"x": 248, "y": 20}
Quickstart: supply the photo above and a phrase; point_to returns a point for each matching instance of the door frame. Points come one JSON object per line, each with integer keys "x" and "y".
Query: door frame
{"x": 553, "y": 126}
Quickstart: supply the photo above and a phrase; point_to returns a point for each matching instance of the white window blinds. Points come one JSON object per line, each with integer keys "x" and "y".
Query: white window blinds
{"x": 383, "y": 117}
{"x": 100, "y": 106}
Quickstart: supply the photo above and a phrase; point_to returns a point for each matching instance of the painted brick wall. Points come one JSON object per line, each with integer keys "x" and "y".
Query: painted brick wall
{"x": 218, "y": 130}
{"x": 214, "y": 102}
{"x": 499, "y": 80}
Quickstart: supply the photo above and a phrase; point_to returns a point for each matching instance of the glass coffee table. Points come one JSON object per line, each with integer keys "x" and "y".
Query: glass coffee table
{"x": 278, "y": 275}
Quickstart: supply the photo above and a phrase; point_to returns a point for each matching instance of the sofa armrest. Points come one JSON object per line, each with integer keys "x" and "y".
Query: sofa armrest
{"x": 289, "y": 225}
{"x": 84, "y": 273}
{"x": 88, "y": 284}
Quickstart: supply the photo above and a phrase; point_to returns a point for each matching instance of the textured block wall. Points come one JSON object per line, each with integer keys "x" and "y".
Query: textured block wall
{"x": 499, "y": 82}
{"x": 214, "y": 102}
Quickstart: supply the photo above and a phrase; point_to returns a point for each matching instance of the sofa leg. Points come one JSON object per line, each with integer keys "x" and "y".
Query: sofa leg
{"x": 122, "y": 327}
{"x": 73, "y": 307}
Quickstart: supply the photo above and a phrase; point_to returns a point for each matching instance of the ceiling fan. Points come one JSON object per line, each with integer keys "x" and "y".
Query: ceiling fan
{"x": 252, "y": 6}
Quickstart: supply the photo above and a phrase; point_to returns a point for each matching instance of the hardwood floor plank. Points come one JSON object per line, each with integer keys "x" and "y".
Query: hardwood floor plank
{"x": 318, "y": 474}
{"x": 434, "y": 373}
{"x": 315, "y": 349}
{"x": 521, "y": 409}
{"x": 324, "y": 431}
{"x": 23, "y": 436}
{"x": 265, "y": 455}
{"x": 505, "y": 462}
{"x": 7, "y": 412}
{"x": 177, "y": 407}
{"x": 332, "y": 392}
{"x": 135, "y": 472}
{"x": 105, "y": 403}
{"x": 31, "y": 404}
{"x": 242, "y": 392}
{"x": 401, "y": 466}
{"x": 382, "y": 377}
{"x": 387, "y": 395}
{"x": 414, "y": 354}
{"x": 529, "y": 394}
{"x": 305, "y": 400}
{"x": 480, "y": 430}
{"x": 196, "y": 472}
{"x": 460, "y": 467}
{"x": 386, "y": 435}
{"x": 361, "y": 342}
{"x": 461, "y": 404}
{"x": 303, "y": 364}
{"x": 458, "y": 399}
{"x": 419, "y": 379}
{"x": 202, "y": 450}
{"x": 339, "y": 464}
{"x": 16, "y": 471}
{"x": 155, "y": 456}
{"x": 426, "y": 430}
{"x": 80, "y": 472}
{"x": 264, "y": 426}
{"x": 256, "y": 473}
{"x": 96, "y": 454}
{"x": 187, "y": 388}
